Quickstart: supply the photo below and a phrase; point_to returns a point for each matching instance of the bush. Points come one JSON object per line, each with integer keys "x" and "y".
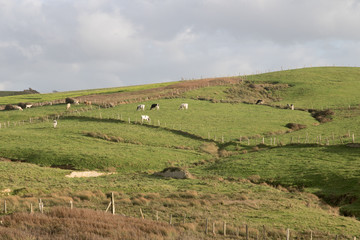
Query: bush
{"x": 69, "y": 100}
{"x": 322, "y": 116}
{"x": 9, "y": 107}
{"x": 295, "y": 126}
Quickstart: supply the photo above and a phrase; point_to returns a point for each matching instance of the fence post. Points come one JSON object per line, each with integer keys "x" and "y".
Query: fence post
{"x": 31, "y": 208}
{"x": 184, "y": 218}
{"x": 264, "y": 232}
{"x": 5, "y": 210}
{"x": 247, "y": 232}
{"x": 353, "y": 138}
{"x": 213, "y": 229}
{"x": 224, "y": 228}
{"x": 142, "y": 215}
{"x": 288, "y": 234}
{"x": 170, "y": 221}
{"x": 112, "y": 203}
{"x": 157, "y": 215}
{"x": 71, "y": 204}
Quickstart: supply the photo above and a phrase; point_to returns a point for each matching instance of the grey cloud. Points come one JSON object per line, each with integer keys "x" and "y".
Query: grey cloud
{"x": 66, "y": 45}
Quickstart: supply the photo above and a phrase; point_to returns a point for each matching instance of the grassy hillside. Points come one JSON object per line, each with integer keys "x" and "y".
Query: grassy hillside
{"x": 35, "y": 98}
{"x": 249, "y": 167}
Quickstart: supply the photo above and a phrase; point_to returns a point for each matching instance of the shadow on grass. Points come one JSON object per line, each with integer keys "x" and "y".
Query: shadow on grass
{"x": 109, "y": 120}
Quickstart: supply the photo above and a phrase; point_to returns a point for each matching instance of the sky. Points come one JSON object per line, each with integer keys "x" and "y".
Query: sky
{"x": 65, "y": 45}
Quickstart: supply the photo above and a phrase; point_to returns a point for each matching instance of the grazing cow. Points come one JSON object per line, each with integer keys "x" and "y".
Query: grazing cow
{"x": 68, "y": 106}
{"x": 292, "y": 106}
{"x": 155, "y": 105}
{"x": 55, "y": 123}
{"x": 260, "y": 101}
{"x": 140, "y": 107}
{"x": 28, "y": 106}
{"x": 145, "y": 117}
{"x": 87, "y": 102}
{"x": 18, "y": 108}
{"x": 184, "y": 106}
{"x": 76, "y": 102}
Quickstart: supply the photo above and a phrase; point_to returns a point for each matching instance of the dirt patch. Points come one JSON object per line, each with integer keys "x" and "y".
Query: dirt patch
{"x": 86, "y": 174}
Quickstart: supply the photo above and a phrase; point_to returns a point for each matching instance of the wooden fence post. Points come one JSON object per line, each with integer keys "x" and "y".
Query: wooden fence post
{"x": 31, "y": 208}
{"x": 142, "y": 215}
{"x": 213, "y": 229}
{"x": 112, "y": 203}
{"x": 224, "y": 228}
{"x": 247, "y": 232}
{"x": 288, "y": 234}
{"x": 5, "y": 209}
{"x": 311, "y": 235}
{"x": 353, "y": 138}
{"x": 184, "y": 218}
{"x": 157, "y": 215}
{"x": 264, "y": 232}
{"x": 71, "y": 204}
{"x": 170, "y": 221}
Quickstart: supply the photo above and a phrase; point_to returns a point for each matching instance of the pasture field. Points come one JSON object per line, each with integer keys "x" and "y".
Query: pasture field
{"x": 306, "y": 180}
{"x": 34, "y": 98}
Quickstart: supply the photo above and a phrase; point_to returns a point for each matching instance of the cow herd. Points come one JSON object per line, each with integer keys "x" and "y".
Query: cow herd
{"x": 156, "y": 106}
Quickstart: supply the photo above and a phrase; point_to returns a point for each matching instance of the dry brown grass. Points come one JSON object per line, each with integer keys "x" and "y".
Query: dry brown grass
{"x": 210, "y": 148}
{"x": 63, "y": 223}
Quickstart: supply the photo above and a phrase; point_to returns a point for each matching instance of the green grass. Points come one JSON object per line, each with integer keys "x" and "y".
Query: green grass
{"x": 326, "y": 171}
{"x": 34, "y": 98}
{"x": 236, "y": 202}
{"x": 68, "y": 145}
{"x": 321, "y": 87}
{"x": 206, "y": 119}
{"x": 86, "y": 139}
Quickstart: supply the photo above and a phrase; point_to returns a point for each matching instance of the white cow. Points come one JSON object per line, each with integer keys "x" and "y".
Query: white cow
{"x": 184, "y": 106}
{"x": 68, "y": 106}
{"x": 18, "y": 108}
{"x": 28, "y": 106}
{"x": 140, "y": 107}
{"x": 145, "y": 117}
{"x": 55, "y": 123}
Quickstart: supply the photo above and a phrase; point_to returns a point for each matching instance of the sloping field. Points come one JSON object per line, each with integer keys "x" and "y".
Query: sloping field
{"x": 248, "y": 166}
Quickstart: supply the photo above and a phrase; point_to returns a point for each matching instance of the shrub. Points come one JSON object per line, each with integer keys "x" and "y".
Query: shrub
{"x": 322, "y": 116}
{"x": 9, "y": 107}
{"x": 69, "y": 100}
{"x": 295, "y": 126}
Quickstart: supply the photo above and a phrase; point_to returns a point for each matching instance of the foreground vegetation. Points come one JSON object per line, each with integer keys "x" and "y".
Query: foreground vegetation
{"x": 249, "y": 166}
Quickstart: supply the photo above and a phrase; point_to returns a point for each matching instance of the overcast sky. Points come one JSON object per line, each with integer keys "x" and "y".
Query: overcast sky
{"x": 68, "y": 45}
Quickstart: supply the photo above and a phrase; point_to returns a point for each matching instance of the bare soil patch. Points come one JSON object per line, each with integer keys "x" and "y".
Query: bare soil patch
{"x": 86, "y": 174}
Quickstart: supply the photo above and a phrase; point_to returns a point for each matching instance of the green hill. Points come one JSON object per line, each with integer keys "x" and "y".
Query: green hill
{"x": 252, "y": 164}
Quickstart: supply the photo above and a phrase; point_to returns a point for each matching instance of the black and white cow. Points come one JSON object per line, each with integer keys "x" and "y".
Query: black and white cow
{"x": 140, "y": 107}
{"x": 154, "y": 105}
{"x": 260, "y": 101}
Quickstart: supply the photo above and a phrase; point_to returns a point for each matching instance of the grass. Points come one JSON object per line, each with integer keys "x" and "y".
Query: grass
{"x": 258, "y": 184}
{"x": 325, "y": 171}
{"x": 206, "y": 119}
{"x": 34, "y": 98}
